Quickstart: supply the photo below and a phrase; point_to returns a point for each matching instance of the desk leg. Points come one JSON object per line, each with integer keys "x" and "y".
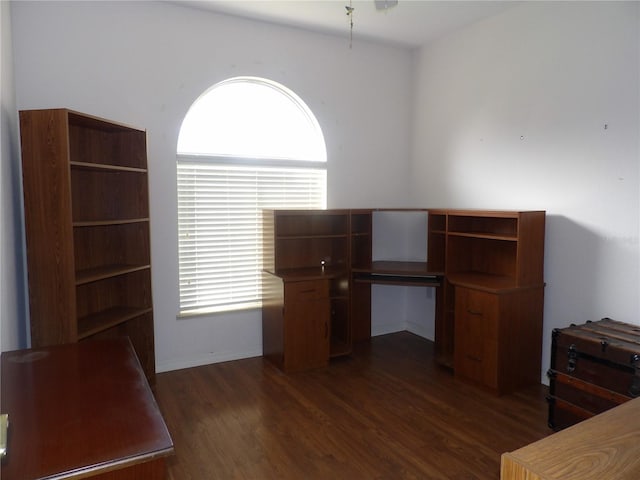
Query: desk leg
{"x": 360, "y": 311}
{"x": 444, "y": 323}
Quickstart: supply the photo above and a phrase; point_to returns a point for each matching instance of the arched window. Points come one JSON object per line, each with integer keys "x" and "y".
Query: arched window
{"x": 245, "y": 144}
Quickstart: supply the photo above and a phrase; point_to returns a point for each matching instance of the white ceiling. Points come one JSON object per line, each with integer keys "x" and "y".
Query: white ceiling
{"x": 410, "y": 23}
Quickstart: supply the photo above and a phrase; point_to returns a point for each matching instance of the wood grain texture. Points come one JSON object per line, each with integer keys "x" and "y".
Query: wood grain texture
{"x": 388, "y": 411}
{"x": 49, "y": 235}
{"x": 605, "y": 447}
{"x": 306, "y": 325}
{"x": 81, "y": 410}
{"x": 495, "y": 262}
{"x": 498, "y": 336}
{"x": 87, "y": 230}
{"x": 306, "y": 313}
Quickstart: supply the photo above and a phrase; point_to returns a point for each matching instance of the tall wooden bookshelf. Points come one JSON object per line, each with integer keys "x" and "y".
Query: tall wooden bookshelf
{"x": 87, "y": 230}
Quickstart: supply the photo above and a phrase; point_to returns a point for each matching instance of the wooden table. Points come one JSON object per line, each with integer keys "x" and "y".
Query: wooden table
{"x": 81, "y": 410}
{"x": 604, "y": 447}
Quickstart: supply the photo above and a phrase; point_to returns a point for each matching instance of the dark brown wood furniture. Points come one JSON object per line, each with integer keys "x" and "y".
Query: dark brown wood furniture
{"x": 493, "y": 294}
{"x": 81, "y": 410}
{"x": 604, "y": 447}
{"x": 306, "y": 300}
{"x": 594, "y": 367}
{"x": 487, "y": 267}
{"x": 87, "y": 230}
{"x": 318, "y": 272}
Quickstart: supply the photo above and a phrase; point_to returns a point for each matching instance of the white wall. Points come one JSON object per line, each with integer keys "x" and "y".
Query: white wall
{"x": 401, "y": 236}
{"x": 13, "y": 320}
{"x": 144, "y": 63}
{"x": 538, "y": 108}
{"x": 509, "y": 113}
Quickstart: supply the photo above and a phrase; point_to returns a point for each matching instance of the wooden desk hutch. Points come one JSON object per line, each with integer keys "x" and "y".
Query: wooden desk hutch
{"x": 487, "y": 267}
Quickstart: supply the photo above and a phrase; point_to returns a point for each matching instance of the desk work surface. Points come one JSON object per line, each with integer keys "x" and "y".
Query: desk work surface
{"x": 604, "y": 447}
{"x": 79, "y": 410}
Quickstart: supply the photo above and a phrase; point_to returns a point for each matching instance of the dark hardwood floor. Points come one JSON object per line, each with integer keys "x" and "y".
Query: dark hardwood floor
{"x": 386, "y": 412}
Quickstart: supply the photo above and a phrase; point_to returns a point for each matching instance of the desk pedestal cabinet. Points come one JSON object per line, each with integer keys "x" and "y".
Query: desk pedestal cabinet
{"x": 495, "y": 337}
{"x": 296, "y": 331}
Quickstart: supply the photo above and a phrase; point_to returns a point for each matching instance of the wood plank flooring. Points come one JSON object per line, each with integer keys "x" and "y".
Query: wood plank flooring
{"x": 386, "y": 412}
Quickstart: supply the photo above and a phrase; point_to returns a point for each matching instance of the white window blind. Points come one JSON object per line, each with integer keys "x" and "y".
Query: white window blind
{"x": 220, "y": 227}
{"x": 246, "y": 144}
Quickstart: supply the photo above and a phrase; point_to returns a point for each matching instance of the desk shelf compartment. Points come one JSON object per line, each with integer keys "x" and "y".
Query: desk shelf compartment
{"x": 361, "y": 239}
{"x": 496, "y": 248}
{"x": 484, "y": 225}
{"x": 308, "y": 252}
{"x": 321, "y": 224}
{"x": 482, "y": 258}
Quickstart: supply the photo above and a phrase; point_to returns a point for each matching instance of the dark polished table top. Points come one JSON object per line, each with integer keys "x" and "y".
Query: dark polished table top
{"x": 79, "y": 410}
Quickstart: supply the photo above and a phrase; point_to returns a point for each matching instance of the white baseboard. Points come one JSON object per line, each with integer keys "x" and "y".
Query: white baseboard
{"x": 210, "y": 358}
{"x": 420, "y": 330}
{"x": 384, "y": 328}
{"x": 204, "y": 360}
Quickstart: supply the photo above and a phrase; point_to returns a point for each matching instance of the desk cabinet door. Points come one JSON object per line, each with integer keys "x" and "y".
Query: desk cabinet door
{"x": 306, "y": 325}
{"x": 476, "y": 336}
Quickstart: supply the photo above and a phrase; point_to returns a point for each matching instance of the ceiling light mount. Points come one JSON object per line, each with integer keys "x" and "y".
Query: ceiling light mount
{"x": 350, "y": 8}
{"x": 381, "y": 5}
{"x": 385, "y": 4}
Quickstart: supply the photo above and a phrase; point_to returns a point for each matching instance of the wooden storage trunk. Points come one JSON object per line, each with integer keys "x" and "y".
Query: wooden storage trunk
{"x": 594, "y": 367}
